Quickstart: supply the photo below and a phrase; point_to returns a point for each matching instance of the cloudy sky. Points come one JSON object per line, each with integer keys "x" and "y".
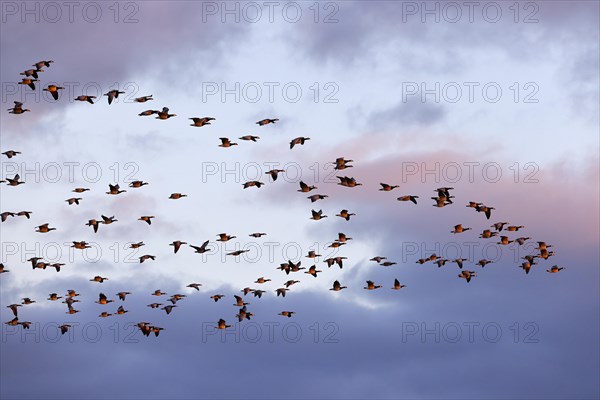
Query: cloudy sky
{"x": 498, "y": 100}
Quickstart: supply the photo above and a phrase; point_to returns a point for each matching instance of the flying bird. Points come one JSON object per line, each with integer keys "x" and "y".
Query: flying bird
{"x": 53, "y": 90}
{"x": 199, "y": 122}
{"x": 237, "y": 252}
{"x": 371, "y": 286}
{"x": 287, "y": 313}
{"x": 222, "y": 324}
{"x": 225, "y": 142}
{"x": 304, "y": 188}
{"x": 387, "y": 188}
{"x": 200, "y": 249}
{"x": 239, "y": 301}
{"x": 18, "y": 108}
{"x": 316, "y": 197}
{"x": 408, "y": 198}
{"x": 122, "y": 295}
{"x": 195, "y": 286}
{"x": 317, "y": 215}
{"x": 41, "y": 64}
{"x": 108, "y": 220}
{"x": 249, "y": 138}
{"x": 499, "y": 226}
{"x": 345, "y": 214}
{"x": 223, "y": 237}
{"x": 143, "y": 99}
{"x": 44, "y": 228}
{"x": 102, "y": 299}
{"x": 114, "y": 189}
{"x": 164, "y": 114}
{"x": 26, "y": 214}
{"x": 397, "y": 285}
{"x": 93, "y": 223}
{"x": 6, "y": 214}
{"x": 113, "y": 94}
{"x": 341, "y": 163}
{"x": 459, "y": 229}
{"x": 313, "y": 271}
{"x": 267, "y": 121}
{"x": 554, "y": 269}
{"x": 348, "y": 182}
{"x": 252, "y": 183}
{"x": 467, "y": 275}
{"x": 299, "y": 140}
{"x": 504, "y": 240}
{"x": 169, "y": 308}
{"x": 274, "y": 173}
{"x": 313, "y": 254}
{"x": 337, "y": 286}
{"x": 64, "y": 328}
{"x": 176, "y": 245}
{"x": 257, "y": 234}
{"x": 29, "y": 82}
{"x": 11, "y": 153}
{"x": 31, "y": 72}
{"x": 14, "y": 181}
{"x": 137, "y": 184}
{"x": 89, "y": 99}
{"x": 147, "y": 219}
{"x": 484, "y": 209}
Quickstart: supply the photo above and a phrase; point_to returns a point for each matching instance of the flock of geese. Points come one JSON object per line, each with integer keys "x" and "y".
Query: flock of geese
{"x": 442, "y": 198}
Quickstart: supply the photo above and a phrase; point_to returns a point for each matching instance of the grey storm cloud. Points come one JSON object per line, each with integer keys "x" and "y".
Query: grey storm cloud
{"x": 109, "y": 55}
{"x": 441, "y": 26}
{"x": 409, "y": 351}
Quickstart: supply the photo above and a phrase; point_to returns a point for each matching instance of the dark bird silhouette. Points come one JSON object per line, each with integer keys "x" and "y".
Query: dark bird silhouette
{"x": 397, "y": 285}
{"x": 200, "y": 249}
{"x": 89, "y": 99}
{"x": 113, "y": 94}
{"x": 53, "y": 90}
{"x": 387, "y": 188}
{"x": 267, "y": 121}
{"x": 304, "y": 188}
{"x": 199, "y": 122}
{"x": 299, "y": 140}
{"x": 408, "y": 198}
{"x": 274, "y": 173}
{"x": 176, "y": 245}
{"x": 337, "y": 286}
{"x": 371, "y": 286}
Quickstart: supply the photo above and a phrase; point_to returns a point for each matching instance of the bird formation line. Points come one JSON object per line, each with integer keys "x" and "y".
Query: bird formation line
{"x": 442, "y": 199}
